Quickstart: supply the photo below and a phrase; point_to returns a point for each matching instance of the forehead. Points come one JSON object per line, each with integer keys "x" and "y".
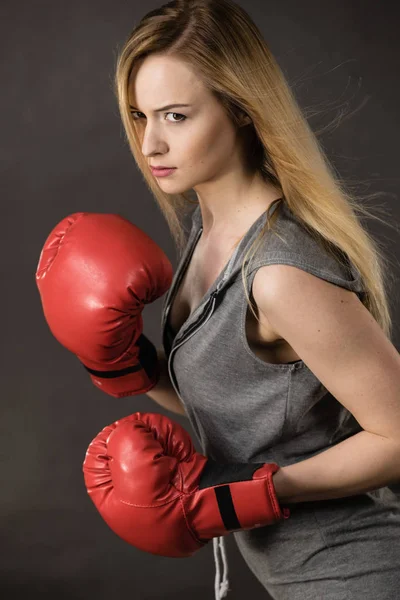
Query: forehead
{"x": 163, "y": 78}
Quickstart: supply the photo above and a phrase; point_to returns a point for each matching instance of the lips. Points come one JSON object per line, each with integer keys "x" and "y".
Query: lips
{"x": 162, "y": 172}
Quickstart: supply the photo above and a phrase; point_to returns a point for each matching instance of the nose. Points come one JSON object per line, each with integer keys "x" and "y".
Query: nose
{"x": 153, "y": 143}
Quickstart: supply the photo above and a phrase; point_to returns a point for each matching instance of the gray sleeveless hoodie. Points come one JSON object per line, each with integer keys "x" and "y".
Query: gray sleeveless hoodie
{"x": 243, "y": 409}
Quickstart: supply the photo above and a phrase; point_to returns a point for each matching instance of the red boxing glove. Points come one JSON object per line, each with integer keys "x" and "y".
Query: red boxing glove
{"x": 158, "y": 494}
{"x": 95, "y": 274}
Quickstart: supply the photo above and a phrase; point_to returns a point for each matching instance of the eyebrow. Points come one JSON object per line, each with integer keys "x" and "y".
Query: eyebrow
{"x": 163, "y": 108}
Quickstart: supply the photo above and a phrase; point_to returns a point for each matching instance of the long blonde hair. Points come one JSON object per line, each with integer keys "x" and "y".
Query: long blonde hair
{"x": 220, "y": 41}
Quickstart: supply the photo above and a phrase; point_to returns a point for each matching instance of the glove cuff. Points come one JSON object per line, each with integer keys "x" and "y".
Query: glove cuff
{"x": 232, "y": 497}
{"x": 132, "y": 380}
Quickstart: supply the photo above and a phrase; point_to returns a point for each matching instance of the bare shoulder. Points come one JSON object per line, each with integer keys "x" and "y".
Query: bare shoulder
{"x": 263, "y": 284}
{"x": 281, "y": 290}
{"x": 339, "y": 340}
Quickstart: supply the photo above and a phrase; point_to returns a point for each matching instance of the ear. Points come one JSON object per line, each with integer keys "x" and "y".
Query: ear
{"x": 245, "y": 120}
{"x": 241, "y": 118}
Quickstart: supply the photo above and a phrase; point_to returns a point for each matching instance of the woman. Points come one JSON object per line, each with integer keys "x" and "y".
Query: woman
{"x": 276, "y": 326}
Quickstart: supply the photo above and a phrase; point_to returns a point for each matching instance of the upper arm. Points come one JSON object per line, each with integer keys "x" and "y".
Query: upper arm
{"x": 338, "y": 339}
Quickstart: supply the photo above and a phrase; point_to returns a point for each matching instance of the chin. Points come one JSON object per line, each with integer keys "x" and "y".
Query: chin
{"x": 174, "y": 187}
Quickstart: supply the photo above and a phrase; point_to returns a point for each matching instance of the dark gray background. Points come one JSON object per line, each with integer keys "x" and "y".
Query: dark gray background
{"x": 62, "y": 150}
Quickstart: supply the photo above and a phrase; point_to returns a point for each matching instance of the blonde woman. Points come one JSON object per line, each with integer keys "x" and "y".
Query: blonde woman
{"x": 276, "y": 328}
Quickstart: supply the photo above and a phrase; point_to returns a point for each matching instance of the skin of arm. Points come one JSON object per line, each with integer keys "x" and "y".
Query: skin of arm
{"x": 343, "y": 345}
{"x": 163, "y": 392}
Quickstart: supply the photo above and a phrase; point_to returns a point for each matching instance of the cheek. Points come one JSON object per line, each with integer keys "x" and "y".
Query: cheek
{"x": 208, "y": 145}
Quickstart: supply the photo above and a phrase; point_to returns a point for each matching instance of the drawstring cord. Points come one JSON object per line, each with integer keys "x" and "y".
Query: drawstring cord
{"x": 221, "y": 589}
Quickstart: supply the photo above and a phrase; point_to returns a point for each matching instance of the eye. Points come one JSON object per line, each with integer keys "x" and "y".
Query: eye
{"x": 176, "y": 114}
{"x": 136, "y": 112}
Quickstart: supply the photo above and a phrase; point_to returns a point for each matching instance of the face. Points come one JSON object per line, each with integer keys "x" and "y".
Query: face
{"x": 199, "y": 140}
